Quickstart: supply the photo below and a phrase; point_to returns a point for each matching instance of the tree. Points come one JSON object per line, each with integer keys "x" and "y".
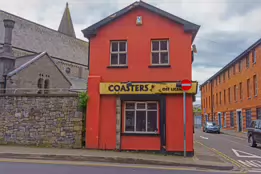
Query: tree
{"x": 83, "y": 99}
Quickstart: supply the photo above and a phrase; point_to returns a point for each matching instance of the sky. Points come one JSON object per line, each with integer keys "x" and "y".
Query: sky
{"x": 228, "y": 27}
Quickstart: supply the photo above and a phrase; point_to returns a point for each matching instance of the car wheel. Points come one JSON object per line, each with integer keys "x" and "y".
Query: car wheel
{"x": 251, "y": 141}
{"x": 218, "y": 132}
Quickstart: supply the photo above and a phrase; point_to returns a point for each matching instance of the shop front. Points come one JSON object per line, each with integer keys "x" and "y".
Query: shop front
{"x": 139, "y": 116}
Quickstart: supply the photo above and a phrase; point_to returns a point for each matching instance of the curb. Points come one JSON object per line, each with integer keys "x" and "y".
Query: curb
{"x": 234, "y": 135}
{"x": 111, "y": 160}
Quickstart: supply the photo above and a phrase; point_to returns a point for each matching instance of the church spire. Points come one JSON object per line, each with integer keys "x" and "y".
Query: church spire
{"x": 66, "y": 25}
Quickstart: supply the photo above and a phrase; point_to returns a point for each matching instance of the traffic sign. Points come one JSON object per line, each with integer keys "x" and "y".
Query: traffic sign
{"x": 186, "y": 85}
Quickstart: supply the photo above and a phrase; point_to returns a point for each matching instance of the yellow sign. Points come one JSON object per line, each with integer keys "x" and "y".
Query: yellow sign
{"x": 144, "y": 88}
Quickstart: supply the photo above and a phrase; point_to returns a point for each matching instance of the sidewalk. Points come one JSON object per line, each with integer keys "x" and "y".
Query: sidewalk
{"x": 203, "y": 158}
{"x": 234, "y": 133}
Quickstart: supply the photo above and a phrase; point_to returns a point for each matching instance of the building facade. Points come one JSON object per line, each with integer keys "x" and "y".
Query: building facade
{"x": 21, "y": 41}
{"x": 135, "y": 103}
{"x": 231, "y": 97}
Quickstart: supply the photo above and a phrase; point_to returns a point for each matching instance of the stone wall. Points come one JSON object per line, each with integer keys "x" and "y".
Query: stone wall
{"x": 41, "y": 120}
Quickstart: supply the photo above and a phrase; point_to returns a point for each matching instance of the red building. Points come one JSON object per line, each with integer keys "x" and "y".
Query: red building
{"x": 137, "y": 56}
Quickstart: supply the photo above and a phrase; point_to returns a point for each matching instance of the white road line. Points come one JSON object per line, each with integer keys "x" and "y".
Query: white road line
{"x": 242, "y": 154}
{"x": 204, "y": 137}
{"x": 251, "y": 163}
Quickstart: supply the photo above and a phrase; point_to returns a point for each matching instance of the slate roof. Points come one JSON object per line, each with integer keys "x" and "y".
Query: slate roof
{"x": 34, "y": 37}
{"x": 188, "y": 26}
{"x": 242, "y": 55}
{"x": 26, "y": 64}
{"x": 66, "y": 25}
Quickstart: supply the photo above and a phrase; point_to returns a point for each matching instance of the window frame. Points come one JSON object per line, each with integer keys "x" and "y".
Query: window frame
{"x": 135, "y": 115}
{"x": 255, "y": 85}
{"x": 248, "y": 88}
{"x": 254, "y": 56}
{"x": 159, "y": 51}
{"x": 119, "y": 52}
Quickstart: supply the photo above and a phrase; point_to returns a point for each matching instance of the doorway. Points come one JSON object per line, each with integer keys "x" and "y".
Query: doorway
{"x": 239, "y": 121}
{"x": 220, "y": 120}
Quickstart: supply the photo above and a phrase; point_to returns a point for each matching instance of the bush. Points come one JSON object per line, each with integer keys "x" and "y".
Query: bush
{"x": 83, "y": 97}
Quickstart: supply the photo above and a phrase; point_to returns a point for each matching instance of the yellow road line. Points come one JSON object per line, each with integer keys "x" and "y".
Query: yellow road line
{"x": 106, "y": 165}
{"x": 238, "y": 164}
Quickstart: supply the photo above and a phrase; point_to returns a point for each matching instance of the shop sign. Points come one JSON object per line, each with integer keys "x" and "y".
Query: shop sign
{"x": 145, "y": 88}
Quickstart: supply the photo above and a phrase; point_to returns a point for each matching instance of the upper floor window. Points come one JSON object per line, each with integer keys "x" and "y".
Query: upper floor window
{"x": 234, "y": 69}
{"x": 160, "y": 52}
{"x": 248, "y": 88}
{"x": 118, "y": 53}
{"x": 224, "y": 77}
{"x": 254, "y": 56}
{"x": 228, "y": 73}
{"x": 247, "y": 61}
{"x": 240, "y": 66}
{"x": 255, "y": 83}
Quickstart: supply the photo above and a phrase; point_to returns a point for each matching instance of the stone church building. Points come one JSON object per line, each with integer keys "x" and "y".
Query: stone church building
{"x": 37, "y": 59}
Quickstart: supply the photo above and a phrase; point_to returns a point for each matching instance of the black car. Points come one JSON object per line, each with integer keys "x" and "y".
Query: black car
{"x": 211, "y": 127}
{"x": 254, "y": 133}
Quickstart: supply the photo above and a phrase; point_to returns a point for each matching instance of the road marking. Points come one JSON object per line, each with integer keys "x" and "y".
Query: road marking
{"x": 204, "y": 137}
{"x": 247, "y": 155}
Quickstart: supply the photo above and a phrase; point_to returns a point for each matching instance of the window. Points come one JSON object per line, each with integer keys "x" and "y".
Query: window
{"x": 141, "y": 117}
{"x": 220, "y": 98}
{"x": 248, "y": 88}
{"x": 228, "y": 73}
{"x": 254, "y": 56}
{"x": 160, "y": 52}
{"x": 247, "y": 61}
{"x": 235, "y": 92}
{"x": 219, "y": 79}
{"x": 234, "y": 69}
{"x": 46, "y": 86}
{"x": 232, "y": 119}
{"x": 224, "y": 77}
{"x": 258, "y": 113}
{"x": 224, "y": 96}
{"x": 118, "y": 53}
{"x": 216, "y": 82}
{"x": 209, "y": 102}
{"x": 229, "y": 95}
{"x": 240, "y": 91}
{"x": 206, "y": 102}
{"x": 248, "y": 118}
{"x": 40, "y": 85}
{"x": 255, "y": 85}
{"x": 217, "y": 99}
{"x": 240, "y": 66}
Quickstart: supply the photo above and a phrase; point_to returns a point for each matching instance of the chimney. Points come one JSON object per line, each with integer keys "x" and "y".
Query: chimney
{"x": 9, "y": 25}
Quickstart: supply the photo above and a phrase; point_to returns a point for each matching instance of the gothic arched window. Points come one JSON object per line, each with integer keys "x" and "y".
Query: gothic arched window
{"x": 40, "y": 85}
{"x": 46, "y": 86}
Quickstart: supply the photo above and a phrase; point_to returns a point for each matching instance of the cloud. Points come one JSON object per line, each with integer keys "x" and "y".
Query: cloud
{"x": 228, "y": 27}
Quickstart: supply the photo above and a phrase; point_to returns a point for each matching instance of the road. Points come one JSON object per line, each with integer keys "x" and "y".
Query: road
{"x": 14, "y": 166}
{"x": 234, "y": 149}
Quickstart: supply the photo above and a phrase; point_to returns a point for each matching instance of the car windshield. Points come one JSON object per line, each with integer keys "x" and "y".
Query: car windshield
{"x": 211, "y": 124}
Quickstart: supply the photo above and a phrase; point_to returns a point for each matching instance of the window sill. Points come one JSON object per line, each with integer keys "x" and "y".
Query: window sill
{"x": 255, "y": 96}
{"x": 141, "y": 134}
{"x": 118, "y": 67}
{"x": 159, "y": 66}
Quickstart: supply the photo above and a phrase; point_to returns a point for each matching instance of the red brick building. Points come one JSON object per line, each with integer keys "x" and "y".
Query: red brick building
{"x": 136, "y": 58}
{"x": 231, "y": 97}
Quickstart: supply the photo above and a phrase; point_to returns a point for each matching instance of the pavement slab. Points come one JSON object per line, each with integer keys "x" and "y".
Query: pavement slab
{"x": 203, "y": 158}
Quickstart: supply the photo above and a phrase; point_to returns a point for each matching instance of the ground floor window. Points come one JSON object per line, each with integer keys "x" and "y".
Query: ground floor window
{"x": 248, "y": 118}
{"x": 258, "y": 113}
{"x": 141, "y": 117}
{"x": 232, "y": 123}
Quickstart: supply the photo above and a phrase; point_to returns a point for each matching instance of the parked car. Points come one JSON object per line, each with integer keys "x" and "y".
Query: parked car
{"x": 211, "y": 127}
{"x": 254, "y": 133}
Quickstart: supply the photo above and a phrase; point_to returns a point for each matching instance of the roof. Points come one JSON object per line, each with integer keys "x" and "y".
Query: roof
{"x": 242, "y": 55}
{"x": 26, "y": 64}
{"x": 34, "y": 37}
{"x": 188, "y": 26}
{"x": 66, "y": 25}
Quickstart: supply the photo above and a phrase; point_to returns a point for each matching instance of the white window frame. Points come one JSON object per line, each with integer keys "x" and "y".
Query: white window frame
{"x": 119, "y": 52}
{"x": 254, "y": 56}
{"x": 160, "y": 51}
{"x": 256, "y": 86}
{"x": 145, "y": 109}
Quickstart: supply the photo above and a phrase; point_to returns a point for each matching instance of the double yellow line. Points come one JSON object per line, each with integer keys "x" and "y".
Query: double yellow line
{"x": 238, "y": 164}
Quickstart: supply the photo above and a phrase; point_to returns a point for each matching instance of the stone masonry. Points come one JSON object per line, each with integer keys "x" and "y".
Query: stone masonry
{"x": 46, "y": 120}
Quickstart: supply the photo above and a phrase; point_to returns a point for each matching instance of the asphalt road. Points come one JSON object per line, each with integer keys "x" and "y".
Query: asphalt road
{"x": 55, "y": 168}
{"x": 234, "y": 149}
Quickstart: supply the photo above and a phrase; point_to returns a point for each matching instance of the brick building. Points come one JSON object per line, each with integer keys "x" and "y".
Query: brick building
{"x": 231, "y": 97}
